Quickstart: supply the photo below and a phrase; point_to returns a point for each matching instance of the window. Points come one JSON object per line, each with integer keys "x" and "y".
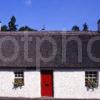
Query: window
{"x": 91, "y": 79}
{"x": 19, "y": 79}
{"x": 19, "y": 74}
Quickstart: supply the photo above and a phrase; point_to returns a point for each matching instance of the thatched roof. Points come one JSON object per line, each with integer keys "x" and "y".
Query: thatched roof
{"x": 7, "y": 49}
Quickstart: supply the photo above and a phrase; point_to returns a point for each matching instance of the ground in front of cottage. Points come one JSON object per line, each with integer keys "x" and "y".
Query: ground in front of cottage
{"x": 42, "y": 98}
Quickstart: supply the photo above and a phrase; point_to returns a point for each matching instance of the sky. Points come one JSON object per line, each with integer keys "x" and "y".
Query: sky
{"x": 53, "y": 14}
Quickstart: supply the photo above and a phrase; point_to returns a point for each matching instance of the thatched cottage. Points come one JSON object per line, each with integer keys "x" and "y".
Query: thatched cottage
{"x": 54, "y": 64}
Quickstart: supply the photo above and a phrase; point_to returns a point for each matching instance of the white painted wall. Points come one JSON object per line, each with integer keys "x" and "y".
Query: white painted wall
{"x": 67, "y": 84}
{"x": 72, "y": 85}
{"x": 30, "y": 89}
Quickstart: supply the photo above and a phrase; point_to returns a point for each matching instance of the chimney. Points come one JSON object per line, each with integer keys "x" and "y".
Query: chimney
{"x": 0, "y": 25}
{"x": 98, "y": 25}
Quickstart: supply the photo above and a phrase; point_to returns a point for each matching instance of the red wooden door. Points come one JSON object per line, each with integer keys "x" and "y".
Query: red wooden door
{"x": 46, "y": 83}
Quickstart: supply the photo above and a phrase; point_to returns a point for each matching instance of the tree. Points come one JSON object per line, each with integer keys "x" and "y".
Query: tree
{"x": 75, "y": 28}
{"x": 85, "y": 27}
{"x": 12, "y": 24}
{"x": 43, "y": 28}
{"x": 4, "y": 28}
{"x": 26, "y": 28}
